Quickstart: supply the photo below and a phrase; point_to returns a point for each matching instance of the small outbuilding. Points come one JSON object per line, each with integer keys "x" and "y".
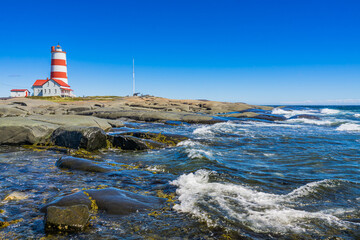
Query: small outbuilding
{"x": 19, "y": 93}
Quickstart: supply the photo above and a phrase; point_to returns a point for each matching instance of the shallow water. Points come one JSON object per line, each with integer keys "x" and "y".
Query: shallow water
{"x": 296, "y": 179}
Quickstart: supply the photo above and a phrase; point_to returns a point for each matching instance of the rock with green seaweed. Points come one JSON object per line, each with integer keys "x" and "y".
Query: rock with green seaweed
{"x": 111, "y": 200}
{"x": 67, "y": 219}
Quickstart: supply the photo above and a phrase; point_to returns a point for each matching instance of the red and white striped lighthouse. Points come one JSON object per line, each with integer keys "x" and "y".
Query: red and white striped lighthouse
{"x": 58, "y": 64}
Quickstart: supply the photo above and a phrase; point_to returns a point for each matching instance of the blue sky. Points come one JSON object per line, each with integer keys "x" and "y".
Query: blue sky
{"x": 260, "y": 52}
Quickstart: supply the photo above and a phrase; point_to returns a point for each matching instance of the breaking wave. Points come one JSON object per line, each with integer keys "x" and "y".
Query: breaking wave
{"x": 312, "y": 121}
{"x": 349, "y": 127}
{"x": 259, "y": 211}
{"x": 329, "y": 111}
{"x": 217, "y": 129}
{"x": 291, "y": 113}
{"x": 196, "y": 150}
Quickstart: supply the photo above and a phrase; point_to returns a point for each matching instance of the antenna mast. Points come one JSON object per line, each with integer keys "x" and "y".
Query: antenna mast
{"x": 133, "y": 77}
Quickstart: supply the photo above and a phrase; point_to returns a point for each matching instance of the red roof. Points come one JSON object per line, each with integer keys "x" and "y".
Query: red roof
{"x": 42, "y": 82}
{"x": 39, "y": 82}
{"x": 19, "y": 90}
{"x": 61, "y": 83}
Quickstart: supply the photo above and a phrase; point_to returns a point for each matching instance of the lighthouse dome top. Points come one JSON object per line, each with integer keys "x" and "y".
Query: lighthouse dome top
{"x": 58, "y": 48}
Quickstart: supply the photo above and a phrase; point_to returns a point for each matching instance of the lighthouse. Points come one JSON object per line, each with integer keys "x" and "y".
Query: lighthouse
{"x": 57, "y": 84}
{"x": 58, "y": 64}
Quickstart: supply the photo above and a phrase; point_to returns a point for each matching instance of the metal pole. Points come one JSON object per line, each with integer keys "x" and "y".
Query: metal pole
{"x": 133, "y": 77}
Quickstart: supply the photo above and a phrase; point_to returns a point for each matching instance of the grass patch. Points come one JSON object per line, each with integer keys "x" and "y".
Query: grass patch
{"x": 75, "y": 99}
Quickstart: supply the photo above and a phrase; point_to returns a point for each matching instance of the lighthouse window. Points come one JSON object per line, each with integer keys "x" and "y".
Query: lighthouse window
{"x": 55, "y": 90}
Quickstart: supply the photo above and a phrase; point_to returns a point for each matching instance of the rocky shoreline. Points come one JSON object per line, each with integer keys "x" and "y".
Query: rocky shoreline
{"x": 79, "y": 128}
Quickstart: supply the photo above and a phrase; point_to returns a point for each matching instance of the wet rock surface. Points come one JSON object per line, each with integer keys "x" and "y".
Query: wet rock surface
{"x": 111, "y": 200}
{"x": 81, "y": 164}
{"x": 66, "y": 219}
{"x": 305, "y": 116}
{"x": 88, "y": 138}
{"x": 133, "y": 143}
{"x": 165, "y": 138}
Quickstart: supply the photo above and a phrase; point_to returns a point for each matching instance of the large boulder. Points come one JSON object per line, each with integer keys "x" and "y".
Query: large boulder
{"x": 38, "y": 129}
{"x": 111, "y": 200}
{"x": 133, "y": 143}
{"x": 88, "y": 138}
{"x": 70, "y": 218}
{"x": 81, "y": 164}
{"x": 22, "y": 130}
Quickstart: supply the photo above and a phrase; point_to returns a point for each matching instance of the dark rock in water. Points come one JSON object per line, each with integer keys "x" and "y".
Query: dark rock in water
{"x": 70, "y": 218}
{"x": 133, "y": 143}
{"x": 111, "y": 200}
{"x": 165, "y": 138}
{"x": 80, "y": 164}
{"x": 270, "y": 117}
{"x": 354, "y": 220}
{"x": 89, "y": 138}
{"x": 305, "y": 116}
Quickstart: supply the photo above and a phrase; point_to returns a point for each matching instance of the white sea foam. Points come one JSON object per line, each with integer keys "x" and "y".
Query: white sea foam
{"x": 211, "y": 130}
{"x": 350, "y": 127}
{"x": 357, "y": 115}
{"x": 269, "y": 154}
{"x": 311, "y": 121}
{"x": 196, "y": 150}
{"x": 189, "y": 143}
{"x": 291, "y": 113}
{"x": 155, "y": 168}
{"x": 262, "y": 212}
{"x": 329, "y": 111}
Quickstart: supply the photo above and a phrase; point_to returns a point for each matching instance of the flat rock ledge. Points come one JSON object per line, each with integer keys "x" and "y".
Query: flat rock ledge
{"x": 38, "y": 129}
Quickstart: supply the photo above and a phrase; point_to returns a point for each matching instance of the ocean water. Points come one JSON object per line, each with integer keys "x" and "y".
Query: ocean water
{"x": 241, "y": 179}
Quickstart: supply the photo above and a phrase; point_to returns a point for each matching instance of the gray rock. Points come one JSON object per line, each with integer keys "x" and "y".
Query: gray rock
{"x": 81, "y": 164}
{"x": 111, "y": 200}
{"x": 22, "y": 130}
{"x": 152, "y": 116}
{"x": 133, "y": 143}
{"x": 74, "y": 120}
{"x": 11, "y": 111}
{"x": 70, "y": 218}
{"x": 88, "y": 138}
{"x": 305, "y": 116}
{"x": 270, "y": 117}
{"x": 79, "y": 109}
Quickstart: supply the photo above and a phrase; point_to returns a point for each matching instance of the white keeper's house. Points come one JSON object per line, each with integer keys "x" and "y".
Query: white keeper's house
{"x": 51, "y": 87}
{"x": 57, "y": 84}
